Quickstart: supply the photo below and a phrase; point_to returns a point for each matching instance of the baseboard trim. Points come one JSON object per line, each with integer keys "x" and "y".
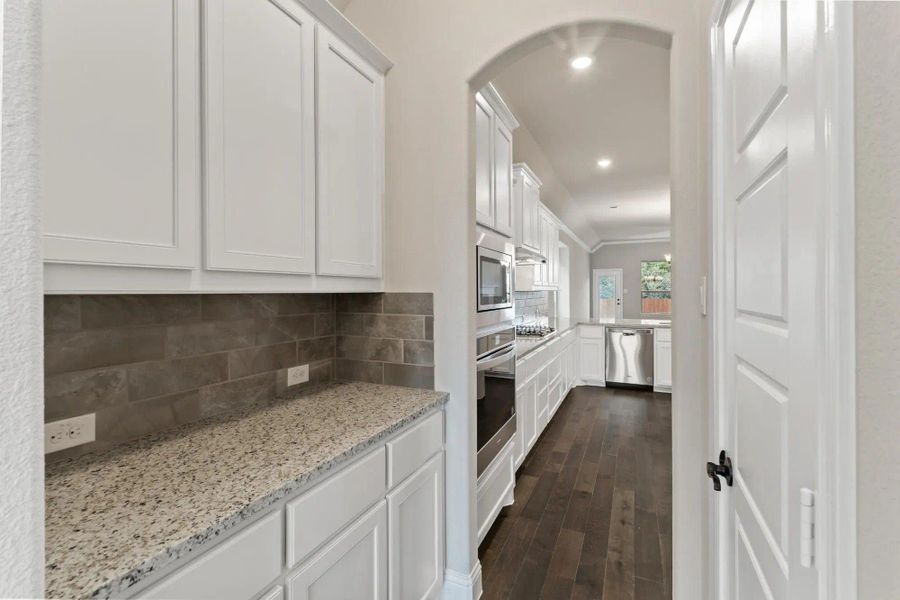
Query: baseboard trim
{"x": 462, "y": 586}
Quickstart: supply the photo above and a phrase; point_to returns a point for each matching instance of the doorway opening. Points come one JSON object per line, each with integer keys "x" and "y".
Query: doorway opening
{"x": 572, "y": 142}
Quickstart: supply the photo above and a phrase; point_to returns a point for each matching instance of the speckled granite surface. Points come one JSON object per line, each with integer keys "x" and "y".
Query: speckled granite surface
{"x": 114, "y": 518}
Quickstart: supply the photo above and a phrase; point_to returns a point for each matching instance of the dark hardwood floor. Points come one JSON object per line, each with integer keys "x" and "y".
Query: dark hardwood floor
{"x": 592, "y": 516}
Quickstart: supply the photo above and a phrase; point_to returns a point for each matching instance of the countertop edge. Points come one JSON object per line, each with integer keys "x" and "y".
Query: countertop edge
{"x": 122, "y": 584}
{"x": 572, "y": 324}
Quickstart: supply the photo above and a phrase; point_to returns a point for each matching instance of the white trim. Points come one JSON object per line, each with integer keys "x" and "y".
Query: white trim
{"x": 838, "y": 422}
{"x": 500, "y": 107}
{"x": 462, "y": 586}
{"x": 340, "y": 26}
{"x": 645, "y": 240}
{"x": 523, "y": 167}
{"x": 836, "y": 539}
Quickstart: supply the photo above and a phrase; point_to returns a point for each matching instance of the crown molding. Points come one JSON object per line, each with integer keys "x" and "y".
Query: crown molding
{"x": 500, "y": 107}
{"x": 565, "y": 228}
{"x": 648, "y": 240}
{"x": 524, "y": 168}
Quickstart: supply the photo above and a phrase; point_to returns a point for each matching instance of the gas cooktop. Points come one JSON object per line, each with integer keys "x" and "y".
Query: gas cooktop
{"x": 534, "y": 330}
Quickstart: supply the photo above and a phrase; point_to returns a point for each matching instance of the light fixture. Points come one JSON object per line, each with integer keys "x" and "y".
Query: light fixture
{"x": 604, "y": 163}
{"x": 668, "y": 258}
{"x": 579, "y": 63}
{"x": 614, "y": 206}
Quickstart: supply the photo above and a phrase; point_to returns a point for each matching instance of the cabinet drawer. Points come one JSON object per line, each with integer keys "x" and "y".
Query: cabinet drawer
{"x": 591, "y": 331}
{"x": 409, "y": 451}
{"x": 323, "y": 511}
{"x": 238, "y": 569}
{"x": 663, "y": 334}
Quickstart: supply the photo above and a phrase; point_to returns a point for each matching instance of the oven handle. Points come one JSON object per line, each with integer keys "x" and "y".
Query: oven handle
{"x": 494, "y": 361}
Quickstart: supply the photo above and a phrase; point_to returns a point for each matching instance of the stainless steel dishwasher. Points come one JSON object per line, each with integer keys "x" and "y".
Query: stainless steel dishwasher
{"x": 629, "y": 356}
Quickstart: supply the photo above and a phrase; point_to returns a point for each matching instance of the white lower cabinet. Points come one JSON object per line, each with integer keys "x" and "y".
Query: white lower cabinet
{"x": 415, "y": 541}
{"x": 662, "y": 360}
{"x": 494, "y": 488}
{"x": 354, "y": 565}
{"x": 359, "y": 534}
{"x": 592, "y": 354}
{"x": 526, "y": 420}
{"x": 238, "y": 569}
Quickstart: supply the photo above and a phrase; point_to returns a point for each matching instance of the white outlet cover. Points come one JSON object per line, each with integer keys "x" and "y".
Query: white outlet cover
{"x": 68, "y": 433}
{"x": 298, "y": 375}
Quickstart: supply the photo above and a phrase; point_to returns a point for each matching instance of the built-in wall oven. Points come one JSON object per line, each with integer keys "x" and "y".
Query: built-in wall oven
{"x": 495, "y": 368}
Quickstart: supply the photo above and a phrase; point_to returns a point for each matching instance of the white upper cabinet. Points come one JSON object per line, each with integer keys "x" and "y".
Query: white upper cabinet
{"x": 526, "y": 199}
{"x": 494, "y": 124}
{"x": 119, "y": 132}
{"x": 503, "y": 196}
{"x": 350, "y": 101}
{"x": 291, "y": 131}
{"x": 547, "y": 274}
{"x": 260, "y": 136}
{"x": 484, "y": 134}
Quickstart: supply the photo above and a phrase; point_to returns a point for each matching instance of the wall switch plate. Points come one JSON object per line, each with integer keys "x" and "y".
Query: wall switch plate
{"x": 297, "y": 375}
{"x": 67, "y": 433}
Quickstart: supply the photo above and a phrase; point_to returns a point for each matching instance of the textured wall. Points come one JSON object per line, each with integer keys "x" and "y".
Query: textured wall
{"x": 877, "y": 99}
{"x": 628, "y": 257}
{"x": 21, "y": 405}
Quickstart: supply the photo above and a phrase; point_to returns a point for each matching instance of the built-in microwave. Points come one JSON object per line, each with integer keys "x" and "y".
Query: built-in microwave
{"x": 494, "y": 282}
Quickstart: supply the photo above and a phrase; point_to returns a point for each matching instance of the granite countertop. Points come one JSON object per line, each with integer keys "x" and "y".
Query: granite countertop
{"x": 527, "y": 344}
{"x": 116, "y": 517}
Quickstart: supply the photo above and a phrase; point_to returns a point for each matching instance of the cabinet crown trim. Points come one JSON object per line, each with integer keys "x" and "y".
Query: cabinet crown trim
{"x": 335, "y": 20}
{"x": 519, "y": 168}
{"x": 490, "y": 93}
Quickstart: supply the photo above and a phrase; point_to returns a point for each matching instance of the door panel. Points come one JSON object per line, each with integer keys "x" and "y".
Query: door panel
{"x": 503, "y": 204}
{"x": 484, "y": 133}
{"x": 770, "y": 339}
{"x": 119, "y": 132}
{"x": 350, "y": 167}
{"x": 260, "y": 137}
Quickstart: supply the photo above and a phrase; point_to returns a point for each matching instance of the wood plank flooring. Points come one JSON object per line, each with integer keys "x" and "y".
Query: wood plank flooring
{"x": 592, "y": 516}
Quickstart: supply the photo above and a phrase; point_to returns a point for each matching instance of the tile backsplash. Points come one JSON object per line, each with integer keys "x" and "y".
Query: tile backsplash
{"x": 530, "y": 306}
{"x": 146, "y": 363}
{"x": 385, "y": 338}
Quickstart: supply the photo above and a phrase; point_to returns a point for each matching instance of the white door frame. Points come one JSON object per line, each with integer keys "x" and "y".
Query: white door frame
{"x": 620, "y": 298}
{"x": 835, "y": 544}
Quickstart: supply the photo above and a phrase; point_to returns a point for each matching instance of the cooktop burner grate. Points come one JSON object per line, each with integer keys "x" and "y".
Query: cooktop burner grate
{"x": 534, "y": 330}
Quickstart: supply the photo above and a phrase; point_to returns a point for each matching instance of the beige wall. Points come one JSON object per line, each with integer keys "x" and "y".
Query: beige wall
{"x": 579, "y": 278}
{"x": 628, "y": 257}
{"x": 438, "y": 47}
{"x": 877, "y": 130}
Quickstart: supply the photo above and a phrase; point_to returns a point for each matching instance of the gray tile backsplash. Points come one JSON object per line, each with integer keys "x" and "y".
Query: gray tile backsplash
{"x": 146, "y": 363}
{"x": 385, "y": 338}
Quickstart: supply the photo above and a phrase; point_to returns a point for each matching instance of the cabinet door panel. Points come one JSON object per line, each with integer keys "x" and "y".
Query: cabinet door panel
{"x": 260, "y": 137}
{"x": 416, "y": 542}
{"x": 119, "y": 132}
{"x": 662, "y": 364}
{"x": 484, "y": 133}
{"x": 354, "y": 565}
{"x": 503, "y": 197}
{"x": 530, "y": 215}
{"x": 593, "y": 360}
{"x": 350, "y": 126}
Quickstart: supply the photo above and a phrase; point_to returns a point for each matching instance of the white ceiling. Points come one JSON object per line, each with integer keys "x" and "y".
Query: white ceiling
{"x": 617, "y": 108}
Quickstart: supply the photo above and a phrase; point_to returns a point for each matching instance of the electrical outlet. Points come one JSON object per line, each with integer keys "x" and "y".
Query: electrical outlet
{"x": 297, "y": 375}
{"x": 67, "y": 433}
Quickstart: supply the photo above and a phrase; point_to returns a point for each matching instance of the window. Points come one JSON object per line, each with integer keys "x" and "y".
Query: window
{"x": 656, "y": 287}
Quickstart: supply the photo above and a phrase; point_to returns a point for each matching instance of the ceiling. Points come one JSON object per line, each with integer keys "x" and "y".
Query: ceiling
{"x": 616, "y": 108}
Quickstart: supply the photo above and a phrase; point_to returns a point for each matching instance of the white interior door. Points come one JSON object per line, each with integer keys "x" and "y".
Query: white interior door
{"x": 769, "y": 137}
{"x": 607, "y": 293}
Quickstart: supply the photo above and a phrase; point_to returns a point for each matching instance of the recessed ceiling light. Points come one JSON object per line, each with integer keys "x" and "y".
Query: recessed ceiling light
{"x": 604, "y": 163}
{"x": 580, "y": 63}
